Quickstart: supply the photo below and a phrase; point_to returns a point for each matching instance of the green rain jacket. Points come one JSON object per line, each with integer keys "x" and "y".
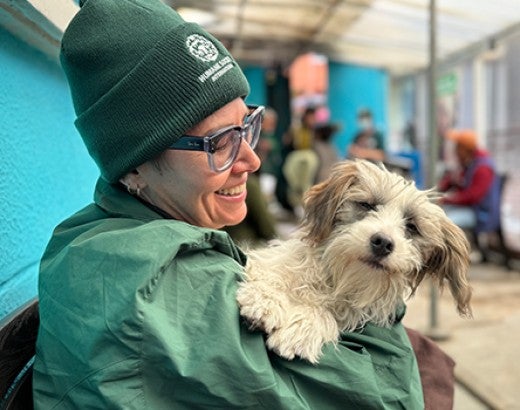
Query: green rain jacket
{"x": 139, "y": 312}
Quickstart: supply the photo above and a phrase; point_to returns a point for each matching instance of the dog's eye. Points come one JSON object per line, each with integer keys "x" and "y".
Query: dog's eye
{"x": 366, "y": 206}
{"x": 411, "y": 228}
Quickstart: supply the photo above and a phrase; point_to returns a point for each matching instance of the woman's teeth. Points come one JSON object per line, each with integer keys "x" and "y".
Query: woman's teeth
{"x": 232, "y": 191}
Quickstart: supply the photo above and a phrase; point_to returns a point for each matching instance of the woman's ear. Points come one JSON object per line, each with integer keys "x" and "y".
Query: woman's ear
{"x": 127, "y": 179}
{"x": 132, "y": 181}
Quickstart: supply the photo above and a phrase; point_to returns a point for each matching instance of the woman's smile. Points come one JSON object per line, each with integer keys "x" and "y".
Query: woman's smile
{"x": 233, "y": 191}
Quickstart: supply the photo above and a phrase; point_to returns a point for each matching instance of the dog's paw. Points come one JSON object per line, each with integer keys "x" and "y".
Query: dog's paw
{"x": 292, "y": 329}
{"x": 259, "y": 311}
{"x": 303, "y": 338}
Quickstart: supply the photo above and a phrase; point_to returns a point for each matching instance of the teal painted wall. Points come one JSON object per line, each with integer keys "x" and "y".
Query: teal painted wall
{"x": 45, "y": 171}
{"x": 256, "y": 78}
{"x": 352, "y": 87}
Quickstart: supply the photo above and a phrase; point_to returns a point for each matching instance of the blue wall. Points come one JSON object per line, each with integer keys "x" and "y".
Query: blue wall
{"x": 352, "y": 87}
{"x": 256, "y": 78}
{"x": 45, "y": 171}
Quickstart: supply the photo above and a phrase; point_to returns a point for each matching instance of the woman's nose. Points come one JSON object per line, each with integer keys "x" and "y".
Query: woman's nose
{"x": 247, "y": 158}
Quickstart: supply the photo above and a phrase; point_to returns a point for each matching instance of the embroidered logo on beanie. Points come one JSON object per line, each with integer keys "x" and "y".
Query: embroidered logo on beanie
{"x": 204, "y": 49}
{"x": 201, "y": 48}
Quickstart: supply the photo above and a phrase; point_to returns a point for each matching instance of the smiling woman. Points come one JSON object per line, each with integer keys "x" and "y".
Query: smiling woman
{"x": 209, "y": 190}
{"x": 137, "y": 290}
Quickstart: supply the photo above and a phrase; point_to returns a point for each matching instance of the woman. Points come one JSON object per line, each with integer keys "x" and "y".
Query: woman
{"x": 137, "y": 290}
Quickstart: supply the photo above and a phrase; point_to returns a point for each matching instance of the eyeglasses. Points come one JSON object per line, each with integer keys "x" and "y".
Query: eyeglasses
{"x": 223, "y": 145}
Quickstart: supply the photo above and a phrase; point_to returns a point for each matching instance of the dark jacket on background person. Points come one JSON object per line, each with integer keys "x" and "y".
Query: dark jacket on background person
{"x": 259, "y": 225}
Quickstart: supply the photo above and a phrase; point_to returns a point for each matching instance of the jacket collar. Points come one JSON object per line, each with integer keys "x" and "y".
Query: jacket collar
{"x": 119, "y": 203}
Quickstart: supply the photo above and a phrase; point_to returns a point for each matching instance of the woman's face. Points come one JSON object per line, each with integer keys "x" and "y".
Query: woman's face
{"x": 182, "y": 184}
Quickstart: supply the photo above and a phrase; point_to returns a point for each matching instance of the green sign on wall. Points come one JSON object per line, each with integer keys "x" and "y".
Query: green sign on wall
{"x": 447, "y": 84}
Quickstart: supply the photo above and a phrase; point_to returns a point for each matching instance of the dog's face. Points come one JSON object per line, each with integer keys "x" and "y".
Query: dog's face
{"x": 385, "y": 233}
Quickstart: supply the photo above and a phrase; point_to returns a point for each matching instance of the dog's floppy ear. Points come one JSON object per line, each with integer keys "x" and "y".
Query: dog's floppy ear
{"x": 450, "y": 262}
{"x": 323, "y": 200}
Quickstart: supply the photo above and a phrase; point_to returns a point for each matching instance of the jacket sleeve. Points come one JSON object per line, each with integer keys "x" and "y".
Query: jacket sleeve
{"x": 476, "y": 190}
{"x": 197, "y": 353}
{"x": 446, "y": 182}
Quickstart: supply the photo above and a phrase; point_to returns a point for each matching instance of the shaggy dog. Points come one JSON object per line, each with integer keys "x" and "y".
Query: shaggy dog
{"x": 367, "y": 240}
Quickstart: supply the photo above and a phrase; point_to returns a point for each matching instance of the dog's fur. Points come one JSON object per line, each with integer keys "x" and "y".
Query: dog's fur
{"x": 367, "y": 240}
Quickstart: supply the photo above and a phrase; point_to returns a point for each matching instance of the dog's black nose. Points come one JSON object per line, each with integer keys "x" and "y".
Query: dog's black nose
{"x": 381, "y": 245}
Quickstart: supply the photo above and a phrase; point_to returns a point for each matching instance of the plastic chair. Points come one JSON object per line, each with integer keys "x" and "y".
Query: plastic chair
{"x": 18, "y": 333}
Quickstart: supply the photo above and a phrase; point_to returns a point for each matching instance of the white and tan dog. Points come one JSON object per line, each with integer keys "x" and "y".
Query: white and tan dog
{"x": 367, "y": 240}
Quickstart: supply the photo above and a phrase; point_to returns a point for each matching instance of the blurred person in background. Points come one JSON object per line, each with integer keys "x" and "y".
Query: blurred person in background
{"x": 472, "y": 191}
{"x": 298, "y": 138}
{"x": 368, "y": 143}
{"x": 269, "y": 150}
{"x": 327, "y": 153}
{"x": 269, "y": 145}
{"x": 302, "y": 162}
{"x": 301, "y": 135}
{"x": 259, "y": 225}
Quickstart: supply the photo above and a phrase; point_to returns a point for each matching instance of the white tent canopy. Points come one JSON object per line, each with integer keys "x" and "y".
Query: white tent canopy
{"x": 391, "y": 34}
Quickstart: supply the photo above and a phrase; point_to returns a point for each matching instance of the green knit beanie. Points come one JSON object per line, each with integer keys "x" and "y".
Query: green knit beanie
{"x": 140, "y": 77}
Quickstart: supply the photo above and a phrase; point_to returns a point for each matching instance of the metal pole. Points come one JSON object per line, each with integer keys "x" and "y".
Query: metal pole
{"x": 434, "y": 331}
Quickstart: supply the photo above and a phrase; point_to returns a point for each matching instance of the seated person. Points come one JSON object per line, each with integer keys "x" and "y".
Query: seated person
{"x": 368, "y": 143}
{"x": 259, "y": 225}
{"x": 326, "y": 151}
{"x": 472, "y": 193}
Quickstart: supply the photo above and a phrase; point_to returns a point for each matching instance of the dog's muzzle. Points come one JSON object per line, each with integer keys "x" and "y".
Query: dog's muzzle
{"x": 381, "y": 245}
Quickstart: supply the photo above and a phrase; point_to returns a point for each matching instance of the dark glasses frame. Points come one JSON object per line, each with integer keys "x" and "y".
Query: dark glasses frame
{"x": 209, "y": 143}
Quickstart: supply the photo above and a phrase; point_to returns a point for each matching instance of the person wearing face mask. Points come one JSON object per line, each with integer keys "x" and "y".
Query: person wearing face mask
{"x": 368, "y": 143}
{"x": 137, "y": 291}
